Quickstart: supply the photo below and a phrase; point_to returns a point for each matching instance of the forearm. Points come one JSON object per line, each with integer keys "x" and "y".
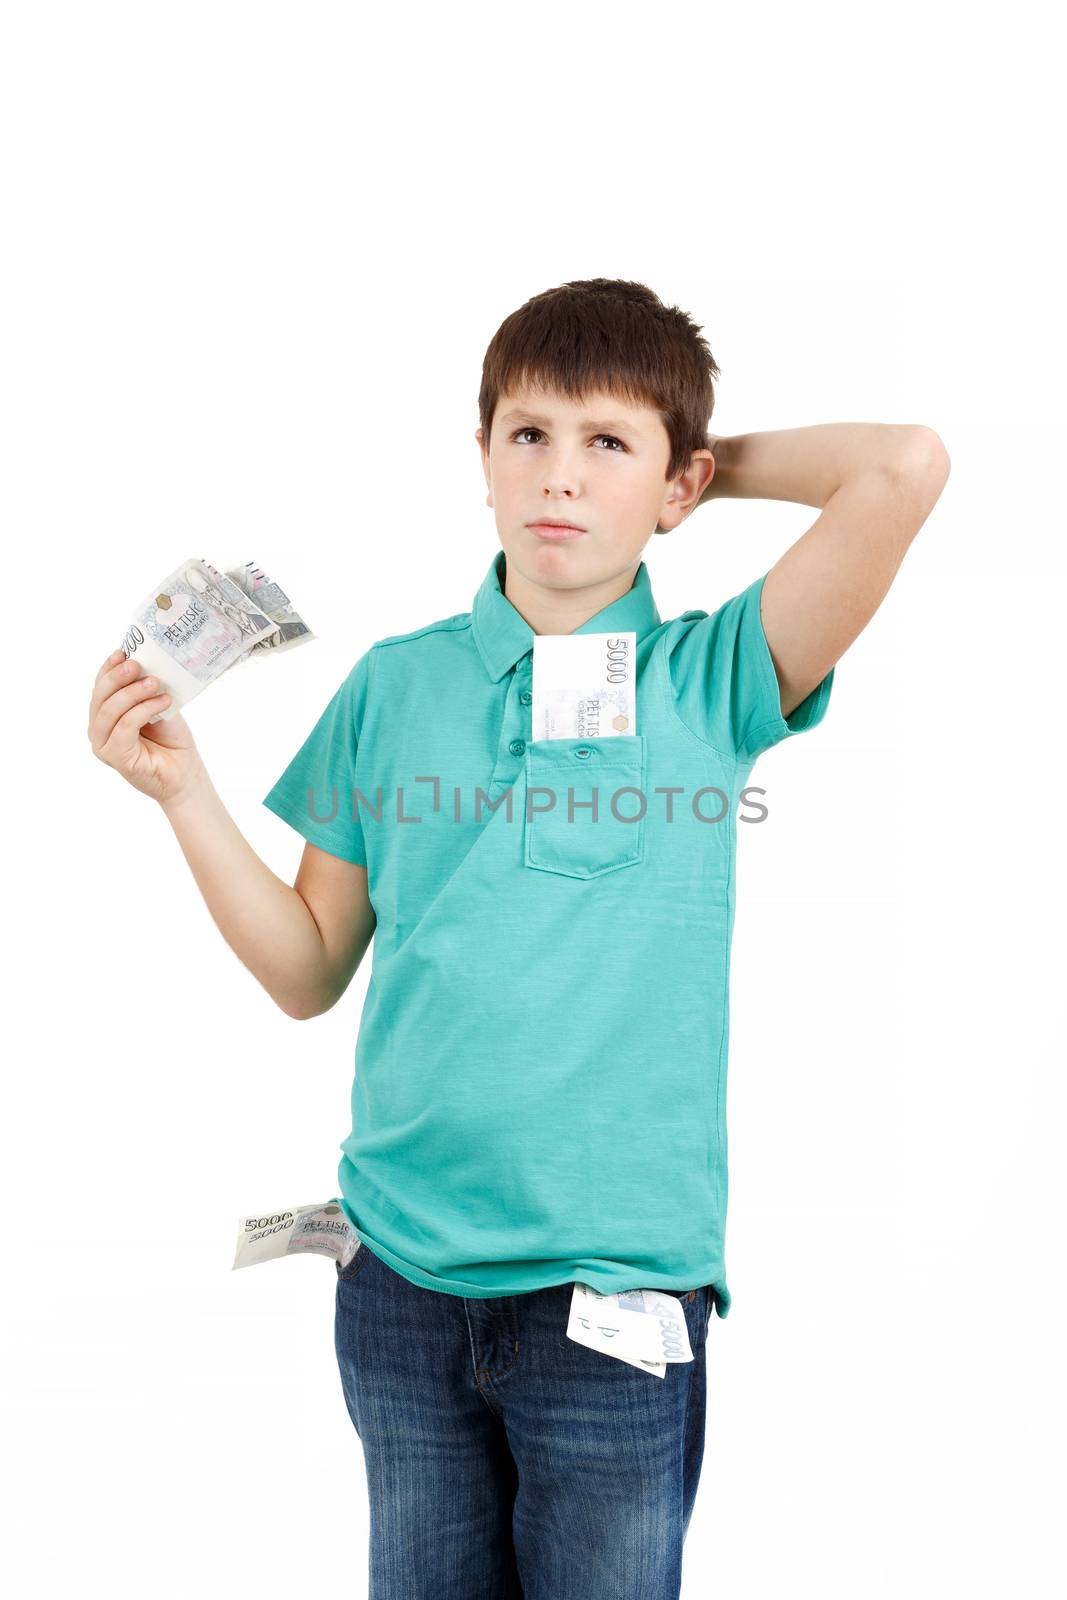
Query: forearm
{"x": 265, "y": 922}
{"x": 805, "y": 465}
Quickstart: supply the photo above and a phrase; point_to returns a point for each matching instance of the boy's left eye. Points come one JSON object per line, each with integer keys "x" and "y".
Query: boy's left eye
{"x": 622, "y": 448}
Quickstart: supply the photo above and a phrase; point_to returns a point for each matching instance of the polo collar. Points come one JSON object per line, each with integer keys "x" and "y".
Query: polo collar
{"x": 504, "y": 637}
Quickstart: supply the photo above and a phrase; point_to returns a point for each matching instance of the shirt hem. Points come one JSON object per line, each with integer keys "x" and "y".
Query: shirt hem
{"x": 427, "y": 1280}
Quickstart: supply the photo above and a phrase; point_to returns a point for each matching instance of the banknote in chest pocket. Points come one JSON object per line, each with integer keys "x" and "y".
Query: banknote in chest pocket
{"x": 585, "y": 805}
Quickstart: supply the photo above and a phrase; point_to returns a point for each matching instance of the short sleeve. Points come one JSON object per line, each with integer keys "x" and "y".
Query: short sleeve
{"x": 316, "y": 792}
{"x": 724, "y": 684}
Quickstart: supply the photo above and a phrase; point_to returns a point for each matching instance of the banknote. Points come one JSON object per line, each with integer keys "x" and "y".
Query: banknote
{"x": 199, "y": 622}
{"x": 644, "y": 1327}
{"x": 271, "y": 598}
{"x": 322, "y": 1230}
{"x": 583, "y": 685}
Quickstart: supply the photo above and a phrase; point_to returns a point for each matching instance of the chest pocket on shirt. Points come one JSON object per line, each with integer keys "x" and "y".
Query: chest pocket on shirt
{"x": 565, "y": 838}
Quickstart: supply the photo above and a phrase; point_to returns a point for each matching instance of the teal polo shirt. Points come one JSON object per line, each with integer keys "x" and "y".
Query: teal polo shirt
{"x": 540, "y": 1072}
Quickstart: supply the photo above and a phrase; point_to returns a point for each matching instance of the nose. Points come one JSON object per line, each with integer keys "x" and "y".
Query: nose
{"x": 560, "y": 478}
{"x": 561, "y": 469}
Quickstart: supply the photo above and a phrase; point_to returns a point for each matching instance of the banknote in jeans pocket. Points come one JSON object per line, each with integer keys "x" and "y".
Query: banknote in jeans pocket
{"x": 359, "y": 1260}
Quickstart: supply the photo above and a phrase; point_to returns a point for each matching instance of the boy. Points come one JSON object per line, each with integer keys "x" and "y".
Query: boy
{"x": 540, "y": 1085}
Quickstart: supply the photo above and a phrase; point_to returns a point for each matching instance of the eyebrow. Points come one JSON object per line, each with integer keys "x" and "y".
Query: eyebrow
{"x": 544, "y": 422}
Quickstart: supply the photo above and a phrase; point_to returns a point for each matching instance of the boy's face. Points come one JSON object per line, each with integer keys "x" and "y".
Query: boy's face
{"x": 600, "y": 465}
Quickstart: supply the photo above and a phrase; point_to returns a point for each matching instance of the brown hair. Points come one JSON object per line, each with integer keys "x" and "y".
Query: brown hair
{"x": 612, "y": 335}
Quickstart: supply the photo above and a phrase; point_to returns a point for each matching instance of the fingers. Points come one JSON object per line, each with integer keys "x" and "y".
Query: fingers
{"x": 122, "y": 700}
{"x": 133, "y": 720}
{"x": 111, "y": 674}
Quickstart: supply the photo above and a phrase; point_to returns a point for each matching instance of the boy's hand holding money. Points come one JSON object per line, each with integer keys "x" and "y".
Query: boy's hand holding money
{"x": 194, "y": 626}
{"x": 191, "y": 629}
{"x": 161, "y": 760}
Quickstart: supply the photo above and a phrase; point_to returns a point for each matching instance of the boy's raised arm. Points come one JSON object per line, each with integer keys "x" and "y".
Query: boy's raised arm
{"x": 302, "y": 953}
{"x": 301, "y": 942}
{"x": 335, "y": 892}
{"x": 877, "y": 483}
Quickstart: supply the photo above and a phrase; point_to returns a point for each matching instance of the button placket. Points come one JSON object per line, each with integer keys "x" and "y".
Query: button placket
{"x": 514, "y": 734}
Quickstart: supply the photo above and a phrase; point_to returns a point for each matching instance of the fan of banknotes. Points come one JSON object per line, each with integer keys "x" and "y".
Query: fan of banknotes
{"x": 199, "y": 622}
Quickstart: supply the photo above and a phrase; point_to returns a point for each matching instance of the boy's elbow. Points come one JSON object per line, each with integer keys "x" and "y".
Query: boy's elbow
{"x": 304, "y": 1008}
{"x": 300, "y": 1010}
{"x": 925, "y": 453}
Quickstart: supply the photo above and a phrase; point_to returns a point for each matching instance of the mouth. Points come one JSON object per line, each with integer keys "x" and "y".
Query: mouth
{"x": 555, "y": 532}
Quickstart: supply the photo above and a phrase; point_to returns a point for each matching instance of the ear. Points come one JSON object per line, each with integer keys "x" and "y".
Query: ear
{"x": 687, "y": 490}
{"x": 485, "y": 466}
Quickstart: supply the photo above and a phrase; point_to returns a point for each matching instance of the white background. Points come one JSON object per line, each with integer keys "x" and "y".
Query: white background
{"x": 253, "y": 256}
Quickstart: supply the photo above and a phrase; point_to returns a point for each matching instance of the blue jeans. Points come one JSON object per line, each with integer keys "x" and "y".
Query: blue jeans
{"x": 506, "y": 1462}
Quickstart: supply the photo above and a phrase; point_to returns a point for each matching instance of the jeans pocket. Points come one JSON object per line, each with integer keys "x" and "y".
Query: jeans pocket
{"x": 355, "y": 1266}
{"x": 585, "y": 805}
{"x": 697, "y": 1305}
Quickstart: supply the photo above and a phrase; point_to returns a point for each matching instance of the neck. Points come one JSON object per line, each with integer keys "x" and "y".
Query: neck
{"x": 563, "y": 610}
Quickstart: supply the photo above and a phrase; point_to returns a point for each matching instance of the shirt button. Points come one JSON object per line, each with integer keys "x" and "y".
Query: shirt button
{"x": 582, "y": 751}
{"x": 517, "y": 746}
{"x": 526, "y": 697}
